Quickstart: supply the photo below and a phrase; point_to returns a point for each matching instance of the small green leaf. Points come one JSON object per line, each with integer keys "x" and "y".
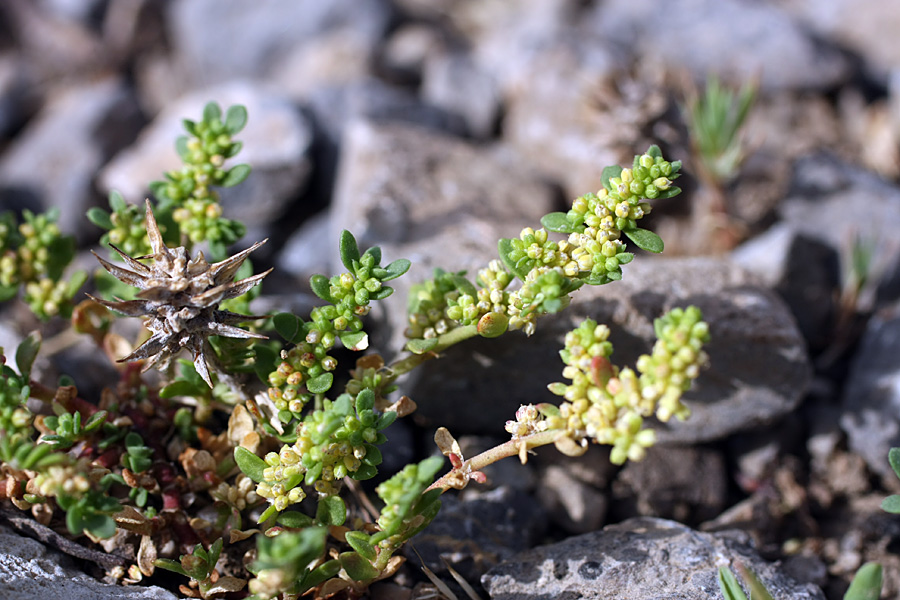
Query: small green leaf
{"x": 866, "y": 584}
{"x": 214, "y": 552}
{"x": 349, "y": 250}
{"x": 382, "y": 293}
{"x": 251, "y": 465}
{"x": 386, "y": 419}
{"x": 891, "y": 504}
{"x": 101, "y": 526}
{"x": 421, "y": 346}
{"x": 170, "y": 565}
{"x": 359, "y": 541}
{"x": 654, "y": 151}
{"x": 464, "y": 285}
{"x": 181, "y": 388}
{"x": 321, "y": 287}
{"x": 396, "y": 269}
{"x": 99, "y": 217}
{"x": 894, "y": 460}
{"x": 320, "y": 384}
{"x": 364, "y": 472}
{"x": 95, "y": 421}
{"x": 373, "y": 455}
{"x": 27, "y": 352}
{"x": 357, "y": 567}
{"x": 8, "y": 292}
{"x": 365, "y": 400}
{"x": 729, "y": 585}
{"x": 235, "y": 118}
{"x": 294, "y": 519}
{"x": 212, "y": 112}
{"x": 504, "y": 247}
{"x": 758, "y": 591}
{"x": 608, "y": 173}
{"x": 670, "y": 192}
{"x": 374, "y": 252}
{"x": 557, "y": 221}
{"x": 331, "y": 511}
{"x": 181, "y": 146}
{"x": 116, "y": 202}
{"x": 189, "y": 126}
{"x": 289, "y": 326}
{"x": 267, "y": 514}
{"x": 358, "y": 340}
{"x": 645, "y": 239}
{"x": 236, "y": 175}
{"x": 318, "y": 575}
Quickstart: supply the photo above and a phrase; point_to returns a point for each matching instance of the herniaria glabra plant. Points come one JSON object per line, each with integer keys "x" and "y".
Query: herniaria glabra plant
{"x": 158, "y": 467}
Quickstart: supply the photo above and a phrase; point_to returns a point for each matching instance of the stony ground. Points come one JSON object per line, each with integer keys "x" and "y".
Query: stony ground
{"x": 434, "y": 127}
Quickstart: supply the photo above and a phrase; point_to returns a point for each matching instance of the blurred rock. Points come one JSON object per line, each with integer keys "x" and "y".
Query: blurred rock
{"x": 309, "y": 249}
{"x": 30, "y": 571}
{"x": 276, "y": 140}
{"x": 685, "y": 484}
{"x": 640, "y": 559}
{"x": 405, "y": 52}
{"x": 456, "y": 84}
{"x": 475, "y": 535}
{"x": 58, "y": 154}
{"x": 731, "y": 39}
{"x": 804, "y": 271}
{"x": 217, "y": 40}
{"x": 872, "y": 392}
{"x": 338, "y": 57}
{"x": 573, "y": 505}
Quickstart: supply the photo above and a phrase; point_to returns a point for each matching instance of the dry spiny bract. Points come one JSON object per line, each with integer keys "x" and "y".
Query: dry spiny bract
{"x": 180, "y": 299}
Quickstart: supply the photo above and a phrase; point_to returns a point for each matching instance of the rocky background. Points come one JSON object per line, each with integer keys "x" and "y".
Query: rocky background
{"x": 434, "y": 127}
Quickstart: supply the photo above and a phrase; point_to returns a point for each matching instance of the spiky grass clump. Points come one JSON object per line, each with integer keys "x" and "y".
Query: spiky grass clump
{"x": 179, "y": 299}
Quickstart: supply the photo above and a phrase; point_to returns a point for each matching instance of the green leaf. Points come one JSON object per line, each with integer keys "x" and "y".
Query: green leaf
{"x": 364, "y": 472}
{"x": 320, "y": 384}
{"x": 396, "y": 269}
{"x": 729, "y": 585}
{"x": 359, "y": 541}
{"x": 866, "y": 584}
{"x": 181, "y": 146}
{"x": 557, "y": 221}
{"x": 373, "y": 455}
{"x": 891, "y": 504}
{"x": 374, "y": 252}
{"x": 670, "y": 192}
{"x": 181, "y": 388}
{"x": 294, "y": 519}
{"x": 421, "y": 346}
{"x": 267, "y": 514}
{"x": 235, "y": 118}
{"x": 170, "y": 565}
{"x": 27, "y": 352}
{"x": 386, "y": 419}
{"x": 645, "y": 239}
{"x": 189, "y": 126}
{"x": 608, "y": 173}
{"x": 464, "y": 285}
{"x": 382, "y": 293}
{"x": 99, "y": 217}
{"x": 321, "y": 288}
{"x": 504, "y": 247}
{"x": 289, "y": 326}
{"x": 318, "y": 575}
{"x": 95, "y": 421}
{"x": 365, "y": 400}
{"x": 349, "y": 250}
{"x": 654, "y": 151}
{"x": 212, "y": 112}
{"x": 116, "y": 202}
{"x": 101, "y": 526}
{"x": 758, "y": 591}
{"x": 357, "y": 567}
{"x": 358, "y": 340}
{"x": 894, "y": 460}
{"x": 236, "y": 175}
{"x": 8, "y": 292}
{"x": 251, "y": 465}
{"x": 331, "y": 511}
{"x": 214, "y": 552}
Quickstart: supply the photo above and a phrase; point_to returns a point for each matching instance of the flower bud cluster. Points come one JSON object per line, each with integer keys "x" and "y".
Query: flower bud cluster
{"x": 129, "y": 233}
{"x": 398, "y": 518}
{"x": 201, "y": 219}
{"x": 298, "y": 365}
{"x": 14, "y": 416}
{"x": 429, "y": 302}
{"x": 62, "y": 479}
{"x": 607, "y": 404}
{"x": 203, "y": 155}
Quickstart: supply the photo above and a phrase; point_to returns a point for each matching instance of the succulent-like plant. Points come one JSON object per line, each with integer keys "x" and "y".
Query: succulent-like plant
{"x": 180, "y": 299}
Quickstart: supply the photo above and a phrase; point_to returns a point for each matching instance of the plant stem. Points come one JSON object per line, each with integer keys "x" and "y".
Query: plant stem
{"x": 408, "y": 363}
{"x": 511, "y": 448}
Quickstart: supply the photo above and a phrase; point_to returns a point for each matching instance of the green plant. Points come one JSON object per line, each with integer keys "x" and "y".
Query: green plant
{"x": 866, "y": 584}
{"x": 159, "y": 461}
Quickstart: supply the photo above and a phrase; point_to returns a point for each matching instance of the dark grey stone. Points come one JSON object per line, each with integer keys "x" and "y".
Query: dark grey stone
{"x": 639, "y": 559}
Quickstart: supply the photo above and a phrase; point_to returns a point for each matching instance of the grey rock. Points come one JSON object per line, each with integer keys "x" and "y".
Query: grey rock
{"x": 58, "y": 154}
{"x": 871, "y": 402}
{"x": 836, "y": 202}
{"x": 476, "y": 534}
{"x": 309, "y": 249}
{"x": 639, "y": 559}
{"x": 864, "y": 26}
{"x": 405, "y": 53}
{"x": 573, "y": 505}
{"x": 240, "y": 40}
{"x": 805, "y": 272}
{"x": 728, "y": 38}
{"x": 457, "y": 84}
{"x": 276, "y": 141}
{"x": 686, "y": 484}
{"x": 758, "y": 369}
{"x": 30, "y": 571}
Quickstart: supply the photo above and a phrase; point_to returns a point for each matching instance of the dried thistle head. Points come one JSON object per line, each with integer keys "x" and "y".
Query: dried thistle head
{"x": 179, "y": 299}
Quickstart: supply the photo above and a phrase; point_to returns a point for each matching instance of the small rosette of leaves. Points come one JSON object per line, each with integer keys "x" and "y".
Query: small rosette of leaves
{"x": 291, "y": 563}
{"x": 336, "y": 441}
{"x": 200, "y": 566}
{"x": 34, "y": 255}
{"x": 66, "y": 429}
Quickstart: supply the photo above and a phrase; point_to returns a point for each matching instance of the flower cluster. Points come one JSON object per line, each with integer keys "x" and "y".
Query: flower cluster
{"x": 607, "y": 404}
{"x": 34, "y": 254}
